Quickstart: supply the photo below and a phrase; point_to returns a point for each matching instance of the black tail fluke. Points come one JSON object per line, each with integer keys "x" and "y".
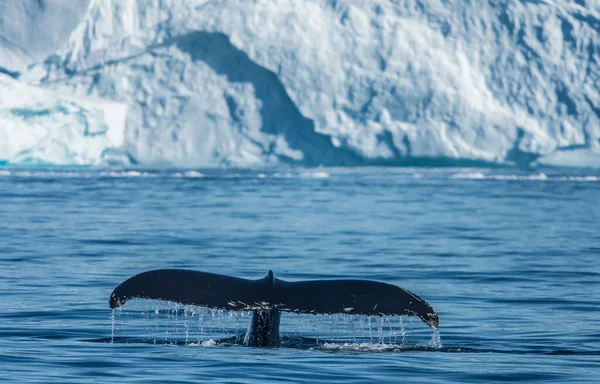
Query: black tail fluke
{"x": 360, "y": 297}
{"x": 192, "y": 287}
{"x": 317, "y": 296}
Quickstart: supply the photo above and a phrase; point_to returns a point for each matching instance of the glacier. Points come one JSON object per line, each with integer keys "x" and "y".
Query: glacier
{"x": 38, "y": 126}
{"x": 201, "y": 83}
{"x": 31, "y": 30}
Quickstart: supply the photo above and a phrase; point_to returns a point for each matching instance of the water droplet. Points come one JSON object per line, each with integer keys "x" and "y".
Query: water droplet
{"x": 436, "y": 339}
{"x": 112, "y": 327}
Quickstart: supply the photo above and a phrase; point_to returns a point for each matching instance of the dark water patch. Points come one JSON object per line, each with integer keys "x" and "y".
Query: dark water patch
{"x": 564, "y": 303}
{"x": 566, "y": 352}
{"x": 517, "y": 376}
{"x": 119, "y": 242}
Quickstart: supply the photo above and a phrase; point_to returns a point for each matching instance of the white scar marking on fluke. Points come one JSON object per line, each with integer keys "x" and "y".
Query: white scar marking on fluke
{"x": 348, "y": 309}
{"x": 413, "y": 295}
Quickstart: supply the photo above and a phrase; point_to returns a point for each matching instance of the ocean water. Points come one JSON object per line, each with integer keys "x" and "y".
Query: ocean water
{"x": 509, "y": 259}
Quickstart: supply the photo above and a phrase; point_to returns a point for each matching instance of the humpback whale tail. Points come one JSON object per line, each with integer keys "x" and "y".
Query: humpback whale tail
{"x": 269, "y": 296}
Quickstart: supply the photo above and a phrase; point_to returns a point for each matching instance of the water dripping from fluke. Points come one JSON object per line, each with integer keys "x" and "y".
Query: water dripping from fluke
{"x": 267, "y": 299}
{"x": 436, "y": 339}
{"x": 166, "y": 323}
{"x": 112, "y": 326}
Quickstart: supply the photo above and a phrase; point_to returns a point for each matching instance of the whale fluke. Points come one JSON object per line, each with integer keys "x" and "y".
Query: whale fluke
{"x": 269, "y": 295}
{"x": 192, "y": 287}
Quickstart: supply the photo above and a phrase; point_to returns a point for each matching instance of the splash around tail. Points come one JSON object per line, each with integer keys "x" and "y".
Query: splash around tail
{"x": 268, "y": 296}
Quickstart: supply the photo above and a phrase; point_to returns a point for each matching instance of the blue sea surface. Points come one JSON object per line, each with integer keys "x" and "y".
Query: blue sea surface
{"x": 509, "y": 259}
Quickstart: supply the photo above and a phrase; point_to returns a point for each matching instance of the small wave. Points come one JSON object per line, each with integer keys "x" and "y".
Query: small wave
{"x": 361, "y": 347}
{"x": 92, "y": 174}
{"x": 303, "y": 175}
{"x": 127, "y": 174}
{"x": 309, "y": 344}
{"x": 469, "y": 176}
{"x": 205, "y": 343}
{"x": 189, "y": 174}
{"x": 41, "y": 174}
{"x": 193, "y": 174}
{"x": 370, "y": 347}
{"x": 537, "y": 177}
{"x": 579, "y": 178}
{"x": 435, "y": 344}
{"x": 482, "y": 176}
{"x": 315, "y": 175}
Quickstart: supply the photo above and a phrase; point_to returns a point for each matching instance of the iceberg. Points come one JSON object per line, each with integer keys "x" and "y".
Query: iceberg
{"x": 317, "y": 82}
{"x": 39, "y": 126}
{"x": 30, "y": 30}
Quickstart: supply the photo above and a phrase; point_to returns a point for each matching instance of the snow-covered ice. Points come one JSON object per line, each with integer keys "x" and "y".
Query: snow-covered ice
{"x": 311, "y": 82}
{"x": 39, "y": 126}
{"x": 32, "y": 29}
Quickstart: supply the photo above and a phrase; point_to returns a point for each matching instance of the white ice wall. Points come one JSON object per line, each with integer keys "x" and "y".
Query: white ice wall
{"x": 38, "y": 126}
{"x": 32, "y": 29}
{"x": 345, "y": 82}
